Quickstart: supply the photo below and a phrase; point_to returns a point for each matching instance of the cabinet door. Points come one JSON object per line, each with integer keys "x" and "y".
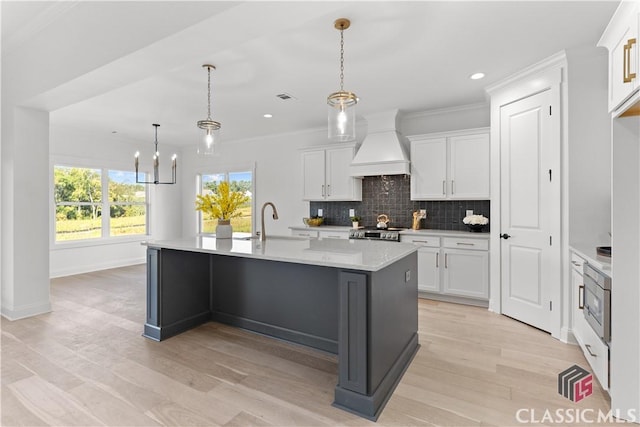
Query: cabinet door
{"x": 466, "y": 273}
{"x": 339, "y": 184}
{"x": 428, "y": 269}
{"x": 313, "y": 170}
{"x": 429, "y": 169}
{"x": 469, "y": 170}
{"x": 623, "y": 61}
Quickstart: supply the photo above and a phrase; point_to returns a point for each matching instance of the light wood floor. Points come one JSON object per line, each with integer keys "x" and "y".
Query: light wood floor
{"x": 86, "y": 364}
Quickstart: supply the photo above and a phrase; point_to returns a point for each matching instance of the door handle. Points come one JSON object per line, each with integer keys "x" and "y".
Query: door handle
{"x": 505, "y": 236}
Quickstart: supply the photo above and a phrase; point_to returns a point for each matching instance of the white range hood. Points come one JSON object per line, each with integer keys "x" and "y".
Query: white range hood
{"x": 382, "y": 151}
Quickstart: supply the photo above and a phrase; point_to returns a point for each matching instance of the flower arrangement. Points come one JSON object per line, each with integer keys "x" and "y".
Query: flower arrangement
{"x": 475, "y": 220}
{"x": 223, "y": 204}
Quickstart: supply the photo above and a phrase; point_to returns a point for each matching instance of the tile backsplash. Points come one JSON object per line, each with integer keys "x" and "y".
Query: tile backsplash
{"x": 391, "y": 195}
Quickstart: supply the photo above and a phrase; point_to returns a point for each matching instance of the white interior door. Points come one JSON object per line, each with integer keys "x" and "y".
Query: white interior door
{"x": 530, "y": 210}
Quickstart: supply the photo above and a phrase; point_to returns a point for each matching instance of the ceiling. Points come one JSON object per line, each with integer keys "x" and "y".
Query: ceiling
{"x": 105, "y": 67}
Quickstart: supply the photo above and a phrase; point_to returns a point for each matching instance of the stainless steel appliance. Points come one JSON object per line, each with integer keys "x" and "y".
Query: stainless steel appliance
{"x": 596, "y": 298}
{"x": 390, "y": 234}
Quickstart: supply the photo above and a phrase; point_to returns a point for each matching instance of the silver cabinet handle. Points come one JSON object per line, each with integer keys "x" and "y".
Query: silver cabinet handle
{"x": 465, "y": 244}
{"x": 445, "y": 261}
{"x": 581, "y": 297}
{"x": 322, "y": 190}
{"x": 576, "y": 263}
{"x": 452, "y": 192}
{"x": 444, "y": 188}
{"x": 328, "y": 190}
{"x": 420, "y": 241}
{"x": 589, "y": 350}
{"x": 437, "y": 259}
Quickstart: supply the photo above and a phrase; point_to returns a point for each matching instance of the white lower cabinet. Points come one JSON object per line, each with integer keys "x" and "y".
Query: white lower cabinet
{"x": 595, "y": 350}
{"x": 452, "y": 268}
{"x": 304, "y": 232}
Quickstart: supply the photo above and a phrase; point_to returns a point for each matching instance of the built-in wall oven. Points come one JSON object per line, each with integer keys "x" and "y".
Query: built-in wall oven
{"x": 596, "y": 299}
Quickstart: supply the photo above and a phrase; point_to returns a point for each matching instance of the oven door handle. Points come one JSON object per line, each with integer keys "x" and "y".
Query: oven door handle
{"x": 581, "y": 297}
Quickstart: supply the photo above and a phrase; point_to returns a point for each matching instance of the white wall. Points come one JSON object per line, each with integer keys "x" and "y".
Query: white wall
{"x": 70, "y": 147}
{"x": 589, "y": 147}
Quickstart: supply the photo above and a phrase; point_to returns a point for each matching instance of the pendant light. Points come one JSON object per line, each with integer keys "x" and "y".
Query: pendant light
{"x": 156, "y": 164}
{"x": 342, "y": 104}
{"x": 210, "y": 140}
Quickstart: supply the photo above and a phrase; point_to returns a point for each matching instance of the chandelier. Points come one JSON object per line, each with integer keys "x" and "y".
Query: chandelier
{"x": 156, "y": 164}
{"x": 342, "y": 104}
{"x": 206, "y": 147}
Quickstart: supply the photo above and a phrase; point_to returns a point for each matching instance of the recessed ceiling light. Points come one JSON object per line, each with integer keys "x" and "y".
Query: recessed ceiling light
{"x": 476, "y": 76}
{"x": 267, "y": 116}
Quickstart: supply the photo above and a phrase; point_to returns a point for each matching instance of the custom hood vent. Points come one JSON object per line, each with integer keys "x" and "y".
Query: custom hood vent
{"x": 382, "y": 151}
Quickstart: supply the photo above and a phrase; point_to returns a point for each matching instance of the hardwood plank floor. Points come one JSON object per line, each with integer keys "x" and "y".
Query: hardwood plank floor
{"x": 86, "y": 364}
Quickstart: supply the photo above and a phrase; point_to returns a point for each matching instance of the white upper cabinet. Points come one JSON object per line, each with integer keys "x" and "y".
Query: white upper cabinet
{"x": 326, "y": 174}
{"x": 621, "y": 39}
{"x": 451, "y": 165}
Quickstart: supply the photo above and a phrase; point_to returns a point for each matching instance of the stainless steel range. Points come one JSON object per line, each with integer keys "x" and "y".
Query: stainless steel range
{"x": 389, "y": 234}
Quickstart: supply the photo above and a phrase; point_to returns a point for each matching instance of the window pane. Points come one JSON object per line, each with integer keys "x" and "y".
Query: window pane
{"x": 123, "y": 187}
{"x": 78, "y": 222}
{"x": 127, "y": 212}
{"x": 210, "y": 185}
{"x": 77, "y": 185}
{"x": 242, "y": 182}
{"x": 127, "y": 220}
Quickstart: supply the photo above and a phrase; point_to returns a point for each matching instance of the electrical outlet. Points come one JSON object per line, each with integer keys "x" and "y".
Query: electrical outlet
{"x": 352, "y": 212}
{"x": 320, "y": 212}
{"x": 469, "y": 212}
{"x": 407, "y": 275}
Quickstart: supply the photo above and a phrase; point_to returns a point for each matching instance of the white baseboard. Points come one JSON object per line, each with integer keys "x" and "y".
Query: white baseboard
{"x": 25, "y": 311}
{"x": 88, "y": 268}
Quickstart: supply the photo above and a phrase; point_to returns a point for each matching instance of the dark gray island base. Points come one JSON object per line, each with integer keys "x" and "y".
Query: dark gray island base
{"x": 368, "y": 318}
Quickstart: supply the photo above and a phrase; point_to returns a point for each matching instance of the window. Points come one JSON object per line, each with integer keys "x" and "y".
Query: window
{"x": 80, "y": 201}
{"x": 127, "y": 204}
{"x": 238, "y": 181}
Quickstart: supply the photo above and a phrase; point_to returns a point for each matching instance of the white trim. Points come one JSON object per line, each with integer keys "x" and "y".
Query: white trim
{"x": 446, "y": 110}
{"x": 461, "y": 132}
{"x": 88, "y": 268}
{"x": 25, "y": 311}
{"x": 558, "y": 60}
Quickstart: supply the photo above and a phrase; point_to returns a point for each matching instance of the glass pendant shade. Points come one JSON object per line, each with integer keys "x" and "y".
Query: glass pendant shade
{"x": 342, "y": 117}
{"x": 208, "y": 146}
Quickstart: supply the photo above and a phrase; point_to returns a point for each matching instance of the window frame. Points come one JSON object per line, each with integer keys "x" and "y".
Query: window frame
{"x": 105, "y": 238}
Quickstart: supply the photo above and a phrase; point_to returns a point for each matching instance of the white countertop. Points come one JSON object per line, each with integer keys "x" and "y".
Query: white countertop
{"x": 587, "y": 251}
{"x": 353, "y": 254}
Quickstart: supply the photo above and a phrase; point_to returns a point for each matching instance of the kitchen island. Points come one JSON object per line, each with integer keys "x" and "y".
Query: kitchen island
{"x": 356, "y": 299}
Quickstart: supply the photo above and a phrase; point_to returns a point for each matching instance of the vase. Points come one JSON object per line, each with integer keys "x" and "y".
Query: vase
{"x": 355, "y": 224}
{"x": 223, "y": 229}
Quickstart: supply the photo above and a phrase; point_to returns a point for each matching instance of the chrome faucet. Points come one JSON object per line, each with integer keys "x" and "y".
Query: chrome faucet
{"x": 263, "y": 235}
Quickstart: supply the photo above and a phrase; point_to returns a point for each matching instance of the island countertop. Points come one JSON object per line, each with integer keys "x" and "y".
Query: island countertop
{"x": 363, "y": 255}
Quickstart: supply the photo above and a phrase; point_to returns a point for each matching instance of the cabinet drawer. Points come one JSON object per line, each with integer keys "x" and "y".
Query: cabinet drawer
{"x": 333, "y": 235}
{"x": 466, "y": 243}
{"x": 304, "y": 233}
{"x": 595, "y": 351}
{"x": 576, "y": 262}
{"x": 427, "y": 241}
